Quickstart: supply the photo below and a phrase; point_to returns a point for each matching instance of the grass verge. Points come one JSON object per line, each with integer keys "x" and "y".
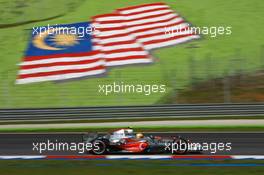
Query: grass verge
{"x": 132, "y": 120}
{"x": 124, "y": 167}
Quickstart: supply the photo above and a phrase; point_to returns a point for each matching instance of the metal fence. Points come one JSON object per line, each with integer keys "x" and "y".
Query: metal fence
{"x": 129, "y": 112}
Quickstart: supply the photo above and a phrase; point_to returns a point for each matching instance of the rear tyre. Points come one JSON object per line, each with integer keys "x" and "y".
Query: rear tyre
{"x": 182, "y": 146}
{"x": 99, "y": 147}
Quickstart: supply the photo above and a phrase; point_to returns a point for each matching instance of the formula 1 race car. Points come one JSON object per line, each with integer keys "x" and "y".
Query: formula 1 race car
{"x": 126, "y": 141}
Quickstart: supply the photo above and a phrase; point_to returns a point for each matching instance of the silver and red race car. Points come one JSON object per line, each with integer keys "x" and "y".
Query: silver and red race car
{"x": 126, "y": 141}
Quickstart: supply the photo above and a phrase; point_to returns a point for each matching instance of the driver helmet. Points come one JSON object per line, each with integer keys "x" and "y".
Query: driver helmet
{"x": 139, "y": 135}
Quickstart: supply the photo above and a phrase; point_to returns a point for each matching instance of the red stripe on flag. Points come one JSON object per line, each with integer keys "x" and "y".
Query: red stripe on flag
{"x": 131, "y": 20}
{"x": 123, "y": 50}
{"x": 163, "y": 33}
{"x": 166, "y": 39}
{"x": 34, "y": 58}
{"x": 147, "y": 11}
{"x": 119, "y": 43}
{"x": 153, "y": 28}
{"x": 61, "y": 72}
{"x": 128, "y": 58}
{"x": 60, "y": 64}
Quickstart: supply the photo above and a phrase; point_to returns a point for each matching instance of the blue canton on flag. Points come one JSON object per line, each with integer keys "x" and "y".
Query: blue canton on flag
{"x": 60, "y": 52}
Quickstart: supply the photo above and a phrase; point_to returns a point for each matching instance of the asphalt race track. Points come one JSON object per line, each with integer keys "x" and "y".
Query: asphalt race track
{"x": 241, "y": 143}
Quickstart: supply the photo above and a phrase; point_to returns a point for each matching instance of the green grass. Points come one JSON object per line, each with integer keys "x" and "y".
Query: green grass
{"x": 133, "y": 120}
{"x": 20, "y": 11}
{"x": 245, "y": 18}
{"x": 115, "y": 167}
{"x": 143, "y": 129}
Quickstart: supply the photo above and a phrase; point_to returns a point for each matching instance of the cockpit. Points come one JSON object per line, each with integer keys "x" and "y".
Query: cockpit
{"x": 121, "y": 134}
